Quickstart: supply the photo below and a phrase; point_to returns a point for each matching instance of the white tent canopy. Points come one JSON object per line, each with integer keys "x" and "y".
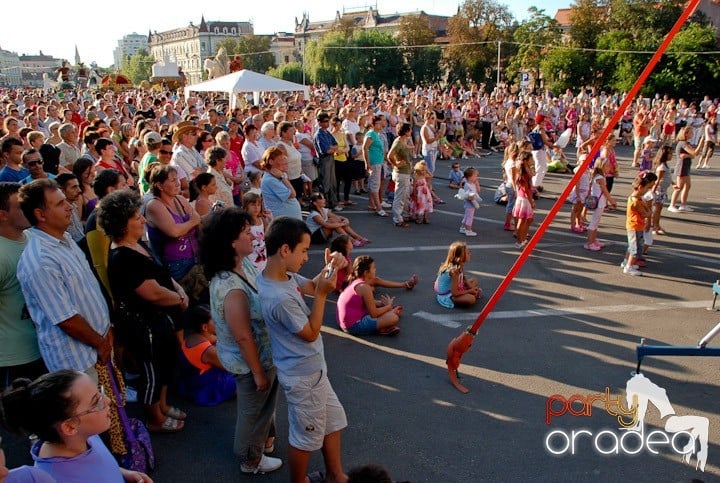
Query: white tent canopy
{"x": 246, "y": 81}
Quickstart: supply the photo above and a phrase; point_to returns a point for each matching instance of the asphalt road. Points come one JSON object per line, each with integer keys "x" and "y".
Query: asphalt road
{"x": 567, "y": 325}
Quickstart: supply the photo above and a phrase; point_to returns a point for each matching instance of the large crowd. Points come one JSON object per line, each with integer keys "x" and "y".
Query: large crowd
{"x": 140, "y": 225}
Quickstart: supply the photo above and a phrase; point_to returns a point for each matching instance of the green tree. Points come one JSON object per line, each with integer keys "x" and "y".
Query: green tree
{"x": 336, "y": 59}
{"x": 534, "y": 36}
{"x": 254, "y": 49}
{"x": 565, "y": 69}
{"x": 291, "y": 71}
{"x": 687, "y": 74}
{"x": 423, "y": 63}
{"x": 138, "y": 67}
{"x": 588, "y": 19}
{"x": 480, "y": 23}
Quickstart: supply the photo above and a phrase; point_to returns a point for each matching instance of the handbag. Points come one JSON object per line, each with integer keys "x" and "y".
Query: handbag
{"x": 591, "y": 202}
{"x": 140, "y": 455}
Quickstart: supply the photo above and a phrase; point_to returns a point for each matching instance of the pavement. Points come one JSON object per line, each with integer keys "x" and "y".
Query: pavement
{"x": 567, "y": 325}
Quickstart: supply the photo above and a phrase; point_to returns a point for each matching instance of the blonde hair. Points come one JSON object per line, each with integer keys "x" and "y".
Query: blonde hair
{"x": 420, "y": 167}
{"x": 455, "y": 256}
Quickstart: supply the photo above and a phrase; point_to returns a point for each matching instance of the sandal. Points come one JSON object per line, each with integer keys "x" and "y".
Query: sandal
{"x": 350, "y": 203}
{"x": 411, "y": 282}
{"x": 389, "y": 331}
{"x": 175, "y": 413}
{"x": 170, "y": 425}
{"x": 401, "y": 224}
{"x": 316, "y": 477}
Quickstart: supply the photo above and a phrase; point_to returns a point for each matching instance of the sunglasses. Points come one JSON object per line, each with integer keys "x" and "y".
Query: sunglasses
{"x": 162, "y": 151}
{"x": 34, "y": 163}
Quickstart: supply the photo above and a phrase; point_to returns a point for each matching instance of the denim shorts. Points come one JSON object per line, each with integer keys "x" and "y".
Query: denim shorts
{"x": 365, "y": 326}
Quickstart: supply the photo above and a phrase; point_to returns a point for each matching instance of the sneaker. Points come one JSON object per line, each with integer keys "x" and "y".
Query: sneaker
{"x": 593, "y": 247}
{"x": 357, "y": 243}
{"x": 507, "y": 227}
{"x": 470, "y": 233}
{"x": 462, "y": 230}
{"x": 520, "y": 246}
{"x": 599, "y": 243}
{"x": 266, "y": 465}
{"x": 632, "y": 271}
{"x": 385, "y": 205}
{"x": 673, "y": 209}
{"x": 623, "y": 264}
{"x": 684, "y": 208}
{"x": 381, "y": 213}
{"x": 338, "y": 207}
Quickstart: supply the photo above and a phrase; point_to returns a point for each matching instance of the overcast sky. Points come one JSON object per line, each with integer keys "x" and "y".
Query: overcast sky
{"x": 96, "y": 27}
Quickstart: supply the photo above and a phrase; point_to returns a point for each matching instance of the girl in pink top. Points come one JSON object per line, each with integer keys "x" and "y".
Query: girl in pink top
{"x": 358, "y": 312}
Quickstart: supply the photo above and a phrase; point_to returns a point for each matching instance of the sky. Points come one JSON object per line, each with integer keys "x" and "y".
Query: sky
{"x": 57, "y": 30}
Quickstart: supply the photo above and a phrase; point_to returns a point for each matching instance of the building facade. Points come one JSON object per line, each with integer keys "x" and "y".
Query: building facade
{"x": 10, "y": 74}
{"x": 189, "y": 46}
{"x": 306, "y": 31}
{"x": 32, "y": 68}
{"x": 282, "y": 46}
{"x": 129, "y": 46}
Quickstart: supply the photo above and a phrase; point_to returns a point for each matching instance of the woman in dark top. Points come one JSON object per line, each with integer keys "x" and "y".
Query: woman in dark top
{"x": 146, "y": 298}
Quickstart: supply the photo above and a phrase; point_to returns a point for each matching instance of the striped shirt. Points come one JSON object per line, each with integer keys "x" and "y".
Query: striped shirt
{"x": 57, "y": 283}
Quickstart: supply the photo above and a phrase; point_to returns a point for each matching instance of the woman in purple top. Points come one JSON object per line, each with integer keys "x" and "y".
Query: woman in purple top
{"x": 172, "y": 223}
{"x": 66, "y": 411}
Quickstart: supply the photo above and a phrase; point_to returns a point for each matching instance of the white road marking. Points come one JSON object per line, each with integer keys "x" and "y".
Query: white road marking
{"x": 456, "y": 320}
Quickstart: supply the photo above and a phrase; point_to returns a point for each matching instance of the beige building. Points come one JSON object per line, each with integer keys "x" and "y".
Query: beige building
{"x": 128, "y": 46}
{"x": 305, "y": 30}
{"x": 282, "y": 46}
{"x": 10, "y": 74}
{"x": 190, "y": 46}
{"x": 32, "y": 68}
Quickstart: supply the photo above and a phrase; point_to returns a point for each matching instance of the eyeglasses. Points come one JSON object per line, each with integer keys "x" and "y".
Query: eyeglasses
{"x": 34, "y": 163}
{"x": 162, "y": 151}
{"x": 99, "y": 405}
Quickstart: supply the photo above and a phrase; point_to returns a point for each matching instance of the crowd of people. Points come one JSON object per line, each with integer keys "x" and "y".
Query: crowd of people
{"x": 168, "y": 216}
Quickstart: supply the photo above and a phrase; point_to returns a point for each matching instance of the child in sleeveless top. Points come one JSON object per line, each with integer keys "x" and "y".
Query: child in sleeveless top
{"x": 252, "y": 204}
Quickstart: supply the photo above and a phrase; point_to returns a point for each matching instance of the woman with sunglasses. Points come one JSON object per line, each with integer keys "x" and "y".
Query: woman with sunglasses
{"x": 67, "y": 412}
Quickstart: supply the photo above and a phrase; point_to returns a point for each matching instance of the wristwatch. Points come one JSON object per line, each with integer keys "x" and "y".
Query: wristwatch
{"x": 284, "y": 176}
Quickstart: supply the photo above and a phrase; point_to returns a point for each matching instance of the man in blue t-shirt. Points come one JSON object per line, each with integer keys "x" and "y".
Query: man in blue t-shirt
{"x": 315, "y": 414}
{"x": 12, "y": 150}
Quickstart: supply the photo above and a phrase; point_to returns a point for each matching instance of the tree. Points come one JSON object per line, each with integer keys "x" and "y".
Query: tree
{"x": 533, "y": 35}
{"x": 138, "y": 67}
{"x": 336, "y": 59}
{"x": 587, "y": 22}
{"x": 291, "y": 71}
{"x": 473, "y": 32}
{"x": 687, "y": 75}
{"x": 566, "y": 69}
{"x": 423, "y": 63}
{"x": 254, "y": 49}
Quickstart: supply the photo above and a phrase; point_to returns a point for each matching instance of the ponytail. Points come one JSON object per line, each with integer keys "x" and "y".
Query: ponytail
{"x": 37, "y": 406}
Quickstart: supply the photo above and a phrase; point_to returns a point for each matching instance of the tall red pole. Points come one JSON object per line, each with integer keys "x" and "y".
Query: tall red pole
{"x": 462, "y": 343}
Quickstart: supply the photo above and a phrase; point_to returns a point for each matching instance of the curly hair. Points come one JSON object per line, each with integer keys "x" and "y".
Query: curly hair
{"x": 218, "y": 233}
{"x": 115, "y": 210}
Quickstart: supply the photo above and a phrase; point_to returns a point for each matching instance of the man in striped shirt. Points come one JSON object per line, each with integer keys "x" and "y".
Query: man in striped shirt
{"x": 62, "y": 295}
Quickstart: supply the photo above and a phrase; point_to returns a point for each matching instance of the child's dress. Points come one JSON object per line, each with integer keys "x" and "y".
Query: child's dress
{"x": 258, "y": 257}
{"x": 584, "y": 186}
{"x": 523, "y": 208}
{"x": 422, "y": 202}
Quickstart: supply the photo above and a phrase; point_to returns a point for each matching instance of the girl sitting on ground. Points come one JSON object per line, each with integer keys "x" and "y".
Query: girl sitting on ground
{"x": 451, "y": 285}
{"x": 358, "y": 312}
{"x": 343, "y": 244}
{"x": 323, "y": 223}
{"x": 67, "y": 412}
{"x": 203, "y": 378}
{"x": 201, "y": 188}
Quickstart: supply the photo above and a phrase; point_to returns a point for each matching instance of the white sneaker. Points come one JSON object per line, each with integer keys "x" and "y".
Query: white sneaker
{"x": 624, "y": 263}
{"x": 266, "y": 465}
{"x": 381, "y": 213}
{"x": 632, "y": 271}
{"x": 470, "y": 233}
{"x": 673, "y": 209}
{"x": 463, "y": 230}
{"x": 385, "y": 205}
{"x": 684, "y": 208}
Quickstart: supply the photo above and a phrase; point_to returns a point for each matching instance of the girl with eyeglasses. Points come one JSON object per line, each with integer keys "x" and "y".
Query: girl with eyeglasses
{"x": 67, "y": 412}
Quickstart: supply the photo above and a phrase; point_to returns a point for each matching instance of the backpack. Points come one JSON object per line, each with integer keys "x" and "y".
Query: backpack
{"x": 536, "y": 140}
